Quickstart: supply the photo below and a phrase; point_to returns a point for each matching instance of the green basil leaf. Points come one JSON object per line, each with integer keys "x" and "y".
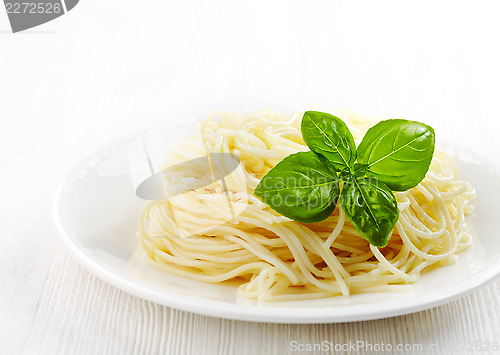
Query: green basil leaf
{"x": 371, "y": 208}
{"x": 398, "y": 152}
{"x": 301, "y": 187}
{"x": 329, "y": 136}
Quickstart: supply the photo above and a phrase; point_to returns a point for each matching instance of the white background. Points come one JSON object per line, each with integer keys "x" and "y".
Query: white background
{"x": 109, "y": 68}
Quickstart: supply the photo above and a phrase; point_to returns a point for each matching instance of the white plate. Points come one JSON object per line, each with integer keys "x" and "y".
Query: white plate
{"x": 96, "y": 213}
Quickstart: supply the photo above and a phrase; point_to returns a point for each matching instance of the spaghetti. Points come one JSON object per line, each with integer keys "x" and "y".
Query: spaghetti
{"x": 278, "y": 259}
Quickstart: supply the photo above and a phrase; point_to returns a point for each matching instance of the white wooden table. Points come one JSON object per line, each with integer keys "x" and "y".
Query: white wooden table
{"x": 108, "y": 69}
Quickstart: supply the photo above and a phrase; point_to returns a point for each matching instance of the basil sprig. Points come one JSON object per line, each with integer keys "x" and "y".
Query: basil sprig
{"x": 393, "y": 155}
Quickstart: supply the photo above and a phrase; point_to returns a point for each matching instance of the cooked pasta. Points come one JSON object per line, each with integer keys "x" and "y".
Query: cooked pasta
{"x": 222, "y": 231}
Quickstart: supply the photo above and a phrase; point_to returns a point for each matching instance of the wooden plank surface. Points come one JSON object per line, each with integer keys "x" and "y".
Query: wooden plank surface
{"x": 101, "y": 73}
